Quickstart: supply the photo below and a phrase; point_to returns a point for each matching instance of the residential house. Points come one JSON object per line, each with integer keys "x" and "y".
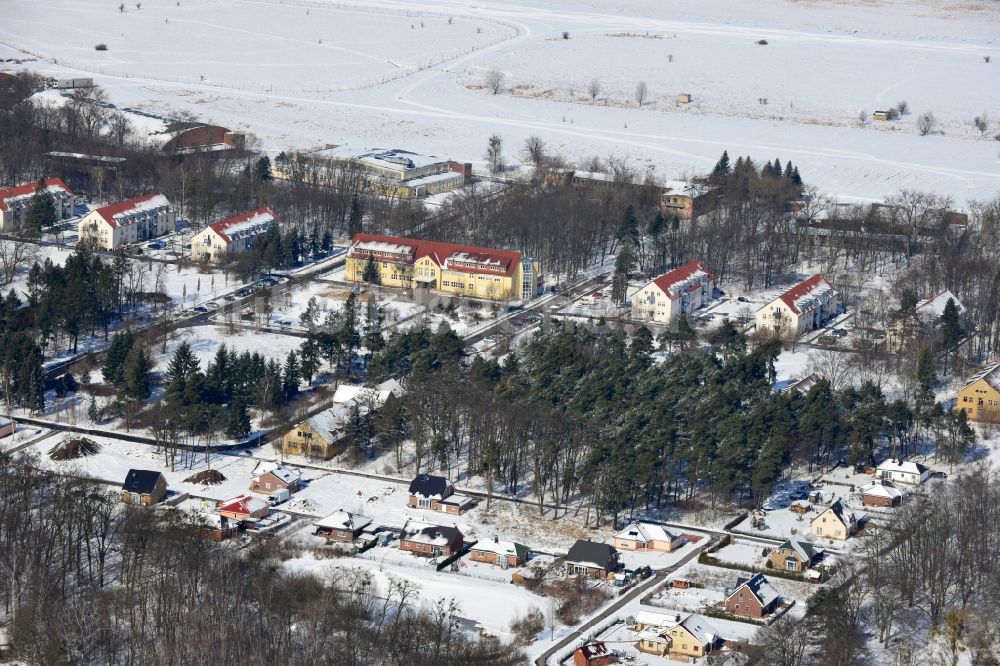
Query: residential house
{"x": 437, "y": 493}
{"x": 688, "y": 201}
{"x": 794, "y": 556}
{"x": 594, "y": 654}
{"x": 880, "y": 493}
{"x": 232, "y": 236}
{"x": 804, "y": 385}
{"x": 692, "y": 637}
{"x": 907, "y": 330}
{"x": 342, "y": 526}
{"x": 678, "y": 292}
{"x": 132, "y": 221}
{"x": 431, "y": 540}
{"x": 14, "y": 203}
{"x": 752, "y": 597}
{"x": 648, "y": 536}
{"x": 836, "y": 522}
{"x": 324, "y": 435}
{"x": 7, "y": 427}
{"x": 211, "y": 526}
{"x": 461, "y": 270}
{"x": 805, "y": 307}
{"x": 269, "y": 476}
{"x": 144, "y": 487}
{"x": 504, "y": 553}
{"x": 244, "y": 507}
{"x": 591, "y": 559}
{"x": 903, "y": 471}
{"x": 980, "y": 397}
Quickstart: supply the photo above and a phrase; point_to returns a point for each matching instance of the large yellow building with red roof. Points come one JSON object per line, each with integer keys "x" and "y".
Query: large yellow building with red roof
{"x": 475, "y": 272}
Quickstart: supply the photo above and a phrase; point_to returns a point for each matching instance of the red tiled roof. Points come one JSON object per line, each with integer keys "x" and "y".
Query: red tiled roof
{"x": 439, "y": 252}
{"x": 680, "y": 274}
{"x": 221, "y": 226}
{"x": 109, "y": 212}
{"x": 803, "y": 288}
{"x": 29, "y": 188}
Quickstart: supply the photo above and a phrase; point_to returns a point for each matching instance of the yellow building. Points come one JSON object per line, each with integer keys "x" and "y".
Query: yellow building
{"x": 475, "y": 272}
{"x": 980, "y": 398}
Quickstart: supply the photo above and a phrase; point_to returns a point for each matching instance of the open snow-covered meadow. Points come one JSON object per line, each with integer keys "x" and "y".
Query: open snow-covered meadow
{"x": 298, "y": 74}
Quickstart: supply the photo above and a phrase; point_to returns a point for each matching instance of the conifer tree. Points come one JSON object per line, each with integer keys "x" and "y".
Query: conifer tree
{"x": 41, "y": 212}
{"x": 238, "y": 425}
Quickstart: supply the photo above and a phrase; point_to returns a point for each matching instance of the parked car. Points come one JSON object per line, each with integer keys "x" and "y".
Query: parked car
{"x": 229, "y": 298}
{"x": 157, "y": 245}
{"x": 212, "y": 305}
{"x": 742, "y": 299}
{"x": 200, "y": 308}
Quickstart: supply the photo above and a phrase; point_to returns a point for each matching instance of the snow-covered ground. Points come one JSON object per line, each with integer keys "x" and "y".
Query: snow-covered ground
{"x": 292, "y": 91}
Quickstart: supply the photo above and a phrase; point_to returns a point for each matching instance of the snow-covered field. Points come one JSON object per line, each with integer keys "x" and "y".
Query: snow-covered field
{"x": 267, "y": 72}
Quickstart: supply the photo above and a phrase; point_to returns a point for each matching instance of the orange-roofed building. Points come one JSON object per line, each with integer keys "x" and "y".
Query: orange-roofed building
{"x": 807, "y": 306}
{"x": 132, "y": 221}
{"x": 234, "y": 235}
{"x": 476, "y": 272}
{"x": 680, "y": 291}
{"x": 14, "y": 203}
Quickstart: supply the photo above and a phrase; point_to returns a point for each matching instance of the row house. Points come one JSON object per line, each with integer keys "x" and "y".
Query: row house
{"x": 14, "y": 203}
{"x": 805, "y": 307}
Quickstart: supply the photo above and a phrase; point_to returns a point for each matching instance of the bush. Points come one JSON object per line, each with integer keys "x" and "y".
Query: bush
{"x": 762, "y": 42}
{"x": 565, "y": 34}
{"x": 101, "y": 47}
{"x": 526, "y": 627}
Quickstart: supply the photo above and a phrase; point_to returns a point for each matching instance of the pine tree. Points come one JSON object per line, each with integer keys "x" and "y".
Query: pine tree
{"x": 137, "y": 385}
{"x": 721, "y": 169}
{"x": 908, "y": 300}
{"x": 309, "y": 359}
{"x": 624, "y": 264}
{"x": 290, "y": 376}
{"x": 350, "y": 340}
{"x": 92, "y": 410}
{"x": 926, "y": 375}
{"x": 263, "y": 169}
{"x": 374, "y": 321}
{"x": 113, "y": 369}
{"x": 371, "y": 273}
{"x": 41, "y": 212}
{"x": 951, "y": 325}
{"x": 355, "y": 217}
{"x": 238, "y": 425}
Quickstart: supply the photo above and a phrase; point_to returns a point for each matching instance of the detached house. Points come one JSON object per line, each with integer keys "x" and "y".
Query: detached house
{"x": 880, "y": 493}
{"x": 805, "y": 307}
{"x": 244, "y": 507}
{"x": 980, "y": 398}
{"x": 752, "y": 597}
{"x": 342, "y": 526}
{"x": 794, "y": 556}
{"x": 591, "y": 559}
{"x": 431, "y": 540}
{"x": 679, "y": 292}
{"x": 907, "y": 331}
{"x": 836, "y": 522}
{"x": 680, "y": 638}
{"x": 504, "y": 553}
{"x": 14, "y": 203}
{"x": 903, "y": 471}
{"x": 234, "y": 235}
{"x": 144, "y": 487}
{"x": 594, "y": 654}
{"x": 647, "y": 536}
{"x": 437, "y": 494}
{"x": 131, "y": 221}
{"x": 268, "y": 477}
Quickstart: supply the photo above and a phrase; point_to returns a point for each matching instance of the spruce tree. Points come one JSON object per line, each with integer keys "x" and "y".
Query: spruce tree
{"x": 371, "y": 274}
{"x": 355, "y": 217}
{"x": 796, "y": 178}
{"x": 309, "y": 359}
{"x": 41, "y": 212}
{"x": 951, "y": 325}
{"x": 290, "y": 376}
{"x": 374, "y": 320}
{"x": 92, "y": 410}
{"x": 113, "y": 369}
{"x": 137, "y": 385}
{"x": 263, "y": 169}
{"x": 721, "y": 169}
{"x": 238, "y": 425}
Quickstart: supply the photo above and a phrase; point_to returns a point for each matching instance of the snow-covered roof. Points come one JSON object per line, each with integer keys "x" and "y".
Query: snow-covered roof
{"x": 843, "y": 513}
{"x": 803, "y": 549}
{"x": 125, "y": 212}
{"x": 688, "y": 277}
{"x": 343, "y": 520}
{"x": 902, "y": 467}
{"x": 646, "y": 532}
{"x": 287, "y": 474}
{"x": 450, "y": 256}
{"x": 426, "y": 533}
{"x": 501, "y": 548}
{"x": 760, "y": 588}
{"x": 19, "y": 196}
{"x": 684, "y": 188}
{"x": 934, "y": 306}
{"x": 253, "y": 223}
{"x": 329, "y": 423}
{"x": 809, "y": 293}
{"x": 393, "y": 159}
{"x": 363, "y": 394}
{"x": 701, "y": 628}
{"x": 880, "y": 489}
{"x": 805, "y": 384}
{"x": 244, "y": 504}
{"x": 654, "y": 619}
{"x": 990, "y": 374}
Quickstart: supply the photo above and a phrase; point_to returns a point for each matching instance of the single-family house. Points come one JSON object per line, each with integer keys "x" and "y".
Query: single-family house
{"x": 678, "y": 292}
{"x": 908, "y": 330}
{"x": 244, "y": 507}
{"x": 342, "y": 526}
{"x": 131, "y": 221}
{"x": 211, "y": 526}
{"x": 980, "y": 397}
{"x": 805, "y": 384}
{"x": 591, "y": 559}
{"x": 437, "y": 493}
{"x": 805, "y": 307}
{"x": 144, "y": 487}
{"x": 648, "y": 536}
{"x": 431, "y": 540}
{"x": 752, "y": 597}
{"x": 694, "y": 636}
{"x": 688, "y": 201}
{"x": 794, "y": 556}
{"x": 880, "y": 493}
{"x": 268, "y": 477}
{"x": 232, "y": 236}
{"x": 594, "y": 654}
{"x": 903, "y": 471}
{"x": 836, "y": 522}
{"x": 14, "y": 203}
{"x": 504, "y": 553}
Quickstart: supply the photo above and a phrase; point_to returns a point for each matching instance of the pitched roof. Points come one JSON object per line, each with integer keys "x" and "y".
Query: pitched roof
{"x": 593, "y": 650}
{"x": 684, "y": 278}
{"x": 429, "y": 485}
{"x": 902, "y": 466}
{"x": 990, "y": 374}
{"x": 655, "y": 619}
{"x": 646, "y": 532}
{"x": 248, "y": 224}
{"x": 13, "y": 195}
{"x": 803, "y": 296}
{"x": 245, "y": 503}
{"x": 880, "y": 489}
{"x": 803, "y": 549}
{"x": 287, "y": 474}
{"x": 114, "y": 213}
{"x": 591, "y": 553}
{"x": 450, "y": 256}
{"x": 434, "y": 535}
{"x": 759, "y": 587}
{"x": 805, "y": 384}
{"x": 141, "y": 481}
{"x": 700, "y": 628}
{"x": 935, "y": 305}
{"x": 344, "y": 520}
{"x": 502, "y": 548}
{"x": 843, "y": 513}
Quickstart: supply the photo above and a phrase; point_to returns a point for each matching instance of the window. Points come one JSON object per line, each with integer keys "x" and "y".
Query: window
{"x": 790, "y": 565}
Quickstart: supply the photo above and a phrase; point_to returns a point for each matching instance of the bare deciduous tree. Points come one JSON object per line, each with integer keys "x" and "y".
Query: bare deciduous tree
{"x": 902, "y": 107}
{"x": 641, "y": 92}
{"x": 494, "y": 80}
{"x": 15, "y": 254}
{"x": 862, "y": 118}
{"x": 534, "y": 150}
{"x": 926, "y": 123}
{"x": 594, "y": 89}
{"x": 981, "y": 123}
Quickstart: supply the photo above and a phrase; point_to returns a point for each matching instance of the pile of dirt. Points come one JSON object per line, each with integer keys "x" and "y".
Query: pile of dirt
{"x": 72, "y": 449}
{"x": 209, "y": 477}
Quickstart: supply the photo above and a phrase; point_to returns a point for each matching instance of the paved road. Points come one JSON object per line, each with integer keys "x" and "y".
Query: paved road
{"x": 638, "y": 590}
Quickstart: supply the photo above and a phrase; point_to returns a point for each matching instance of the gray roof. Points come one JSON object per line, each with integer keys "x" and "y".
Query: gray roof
{"x": 141, "y": 481}
{"x": 591, "y": 553}
{"x": 804, "y": 549}
{"x": 759, "y": 587}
